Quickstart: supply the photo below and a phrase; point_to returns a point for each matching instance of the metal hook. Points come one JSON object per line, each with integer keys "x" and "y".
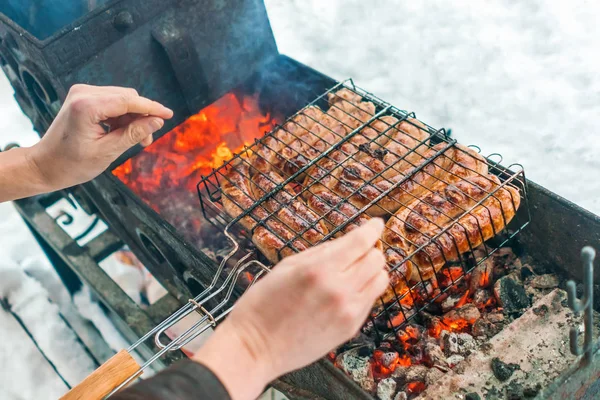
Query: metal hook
{"x": 585, "y": 304}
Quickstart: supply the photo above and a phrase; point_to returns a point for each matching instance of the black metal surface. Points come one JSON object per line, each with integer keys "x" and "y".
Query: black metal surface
{"x": 114, "y": 45}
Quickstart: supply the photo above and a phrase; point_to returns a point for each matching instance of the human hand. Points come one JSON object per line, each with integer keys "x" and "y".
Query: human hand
{"x": 76, "y": 147}
{"x": 309, "y": 304}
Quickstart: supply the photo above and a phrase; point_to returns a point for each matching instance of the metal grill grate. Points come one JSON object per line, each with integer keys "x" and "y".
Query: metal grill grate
{"x": 348, "y": 156}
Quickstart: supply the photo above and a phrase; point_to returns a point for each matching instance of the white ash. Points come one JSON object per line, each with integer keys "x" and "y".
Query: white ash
{"x": 386, "y": 389}
{"x": 454, "y": 359}
{"x": 457, "y": 343}
{"x": 450, "y": 302}
{"x": 401, "y": 396}
{"x": 359, "y": 368}
{"x": 481, "y": 297}
{"x": 416, "y": 373}
{"x": 546, "y": 281}
{"x": 434, "y": 353}
{"x": 400, "y": 372}
{"x": 433, "y": 376}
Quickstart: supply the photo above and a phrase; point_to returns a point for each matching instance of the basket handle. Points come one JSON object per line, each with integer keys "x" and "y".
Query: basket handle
{"x": 106, "y": 378}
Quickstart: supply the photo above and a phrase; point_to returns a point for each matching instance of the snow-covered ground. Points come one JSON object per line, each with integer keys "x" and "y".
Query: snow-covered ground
{"x": 518, "y": 78}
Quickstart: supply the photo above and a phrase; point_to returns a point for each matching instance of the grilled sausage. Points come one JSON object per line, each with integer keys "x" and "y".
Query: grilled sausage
{"x": 429, "y": 221}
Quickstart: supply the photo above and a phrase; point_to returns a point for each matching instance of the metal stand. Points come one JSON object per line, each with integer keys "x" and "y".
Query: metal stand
{"x": 586, "y": 305}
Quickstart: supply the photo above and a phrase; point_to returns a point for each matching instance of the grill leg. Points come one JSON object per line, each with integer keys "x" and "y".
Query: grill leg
{"x": 66, "y": 274}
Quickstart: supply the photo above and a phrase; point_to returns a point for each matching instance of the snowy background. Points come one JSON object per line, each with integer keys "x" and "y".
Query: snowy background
{"x": 517, "y": 78}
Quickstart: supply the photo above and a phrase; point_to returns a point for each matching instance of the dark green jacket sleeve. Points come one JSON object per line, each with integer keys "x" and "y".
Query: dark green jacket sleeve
{"x": 185, "y": 380}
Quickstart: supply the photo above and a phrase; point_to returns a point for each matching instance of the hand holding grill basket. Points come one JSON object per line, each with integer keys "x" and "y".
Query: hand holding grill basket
{"x": 309, "y": 305}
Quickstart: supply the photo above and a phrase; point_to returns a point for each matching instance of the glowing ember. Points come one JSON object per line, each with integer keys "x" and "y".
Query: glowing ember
{"x": 463, "y": 300}
{"x": 166, "y": 173}
{"x": 405, "y": 361}
{"x": 484, "y": 280}
{"x": 449, "y": 276}
{"x": 415, "y": 387}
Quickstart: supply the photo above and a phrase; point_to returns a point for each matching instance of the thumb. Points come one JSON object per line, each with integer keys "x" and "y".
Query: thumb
{"x": 135, "y": 132}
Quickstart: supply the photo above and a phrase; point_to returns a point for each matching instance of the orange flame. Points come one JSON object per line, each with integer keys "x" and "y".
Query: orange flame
{"x": 415, "y": 387}
{"x": 203, "y": 142}
{"x": 463, "y": 300}
{"x": 484, "y": 280}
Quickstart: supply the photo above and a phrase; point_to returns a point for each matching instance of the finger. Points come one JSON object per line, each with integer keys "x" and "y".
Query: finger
{"x": 80, "y": 88}
{"x": 147, "y": 141}
{"x": 365, "y": 268}
{"x": 120, "y": 122}
{"x": 134, "y": 133}
{"x": 349, "y": 248}
{"x": 373, "y": 289}
{"x": 117, "y": 105}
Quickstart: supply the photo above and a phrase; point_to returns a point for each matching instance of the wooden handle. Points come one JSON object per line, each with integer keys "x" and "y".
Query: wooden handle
{"x": 107, "y": 377}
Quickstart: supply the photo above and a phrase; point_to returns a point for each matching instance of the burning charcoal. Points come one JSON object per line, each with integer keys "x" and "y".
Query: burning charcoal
{"x": 482, "y": 276}
{"x": 433, "y": 376}
{"x": 503, "y": 371}
{"x": 415, "y": 387}
{"x": 482, "y": 299}
{"x": 401, "y": 396}
{"x": 450, "y": 302}
{"x": 547, "y": 281}
{"x": 435, "y": 327}
{"x": 386, "y": 389}
{"x": 434, "y": 353}
{"x": 462, "y": 317}
{"x": 416, "y": 373}
{"x": 358, "y": 367}
{"x": 454, "y": 359}
{"x": 510, "y": 295}
{"x": 384, "y": 363}
{"x": 450, "y": 276}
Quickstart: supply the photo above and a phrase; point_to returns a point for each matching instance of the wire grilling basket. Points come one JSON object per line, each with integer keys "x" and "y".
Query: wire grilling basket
{"x": 321, "y": 174}
{"x": 348, "y": 156}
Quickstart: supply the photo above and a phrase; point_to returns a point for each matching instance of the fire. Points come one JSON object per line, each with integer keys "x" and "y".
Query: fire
{"x": 484, "y": 280}
{"x": 384, "y": 363}
{"x": 463, "y": 300}
{"x": 204, "y": 141}
{"x": 450, "y": 275}
{"x": 415, "y": 387}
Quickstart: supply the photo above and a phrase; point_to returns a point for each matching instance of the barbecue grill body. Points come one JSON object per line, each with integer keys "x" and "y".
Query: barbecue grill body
{"x": 127, "y": 43}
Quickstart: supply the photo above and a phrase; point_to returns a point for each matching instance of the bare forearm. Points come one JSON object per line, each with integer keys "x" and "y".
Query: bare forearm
{"x": 20, "y": 176}
{"x": 240, "y": 369}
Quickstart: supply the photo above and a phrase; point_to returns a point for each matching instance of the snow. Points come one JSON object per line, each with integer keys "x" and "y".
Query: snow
{"x": 517, "y": 78}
